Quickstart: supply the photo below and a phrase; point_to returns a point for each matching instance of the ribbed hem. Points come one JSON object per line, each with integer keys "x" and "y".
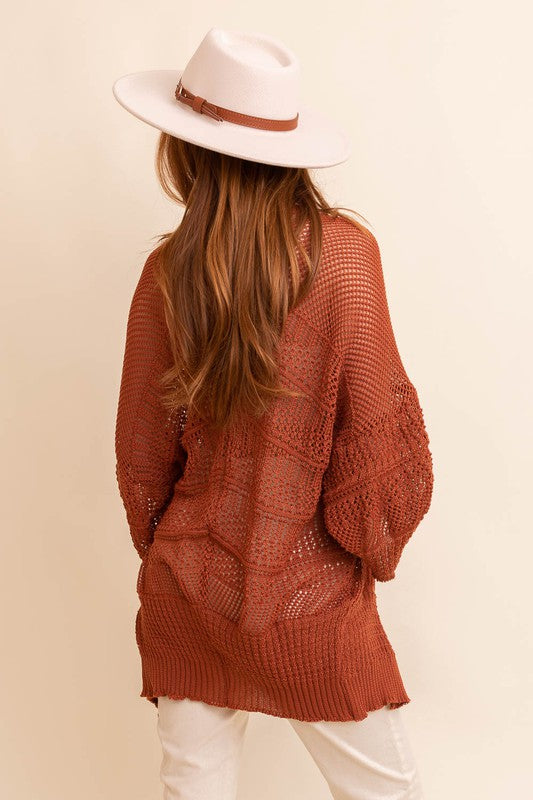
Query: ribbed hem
{"x": 335, "y": 666}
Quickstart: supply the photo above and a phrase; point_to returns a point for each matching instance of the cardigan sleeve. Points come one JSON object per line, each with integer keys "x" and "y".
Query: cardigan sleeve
{"x": 149, "y": 456}
{"x": 379, "y": 480}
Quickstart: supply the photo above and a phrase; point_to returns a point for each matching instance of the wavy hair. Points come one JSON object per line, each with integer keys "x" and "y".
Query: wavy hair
{"x": 229, "y": 275}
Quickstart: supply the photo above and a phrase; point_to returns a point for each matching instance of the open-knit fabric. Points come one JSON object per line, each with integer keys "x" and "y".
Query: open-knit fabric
{"x": 261, "y": 544}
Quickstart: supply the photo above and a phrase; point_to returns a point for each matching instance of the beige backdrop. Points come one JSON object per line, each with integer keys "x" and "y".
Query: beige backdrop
{"x": 437, "y": 99}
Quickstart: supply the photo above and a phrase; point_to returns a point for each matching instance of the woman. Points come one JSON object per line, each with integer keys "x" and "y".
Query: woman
{"x": 271, "y": 450}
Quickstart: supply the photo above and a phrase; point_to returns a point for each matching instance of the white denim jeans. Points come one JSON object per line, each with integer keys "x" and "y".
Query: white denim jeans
{"x": 368, "y": 759}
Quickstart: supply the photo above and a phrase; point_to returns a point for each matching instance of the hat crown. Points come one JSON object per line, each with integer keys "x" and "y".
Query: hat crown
{"x": 253, "y": 74}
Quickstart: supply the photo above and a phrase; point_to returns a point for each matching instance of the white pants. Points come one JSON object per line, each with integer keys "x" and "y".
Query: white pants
{"x": 368, "y": 759}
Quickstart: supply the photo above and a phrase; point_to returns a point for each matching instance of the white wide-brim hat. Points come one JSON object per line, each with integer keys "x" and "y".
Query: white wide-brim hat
{"x": 238, "y": 94}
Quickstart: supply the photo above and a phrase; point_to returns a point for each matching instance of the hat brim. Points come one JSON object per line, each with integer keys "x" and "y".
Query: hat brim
{"x": 316, "y": 141}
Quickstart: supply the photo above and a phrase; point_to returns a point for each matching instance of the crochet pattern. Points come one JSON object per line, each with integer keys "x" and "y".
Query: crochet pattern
{"x": 260, "y": 545}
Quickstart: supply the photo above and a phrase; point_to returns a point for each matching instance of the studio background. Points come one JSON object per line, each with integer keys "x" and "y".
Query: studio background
{"x": 436, "y": 97}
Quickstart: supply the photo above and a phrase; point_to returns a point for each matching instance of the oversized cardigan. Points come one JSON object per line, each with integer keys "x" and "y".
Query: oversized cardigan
{"x": 260, "y": 546}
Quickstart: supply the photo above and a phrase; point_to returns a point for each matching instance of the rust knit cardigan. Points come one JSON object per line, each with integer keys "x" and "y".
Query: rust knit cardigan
{"x": 260, "y": 547}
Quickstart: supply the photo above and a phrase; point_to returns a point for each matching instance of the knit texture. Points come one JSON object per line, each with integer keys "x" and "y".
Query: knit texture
{"x": 260, "y": 545}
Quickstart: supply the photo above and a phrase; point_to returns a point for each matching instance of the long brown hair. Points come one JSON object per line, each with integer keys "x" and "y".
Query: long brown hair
{"x": 229, "y": 275}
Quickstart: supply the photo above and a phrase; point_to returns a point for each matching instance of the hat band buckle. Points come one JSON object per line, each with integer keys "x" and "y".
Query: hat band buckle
{"x": 203, "y": 106}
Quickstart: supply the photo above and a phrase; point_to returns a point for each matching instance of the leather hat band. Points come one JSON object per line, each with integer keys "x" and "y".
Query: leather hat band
{"x": 202, "y": 106}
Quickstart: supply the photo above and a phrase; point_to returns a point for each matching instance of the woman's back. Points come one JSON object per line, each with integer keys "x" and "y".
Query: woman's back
{"x": 261, "y": 543}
